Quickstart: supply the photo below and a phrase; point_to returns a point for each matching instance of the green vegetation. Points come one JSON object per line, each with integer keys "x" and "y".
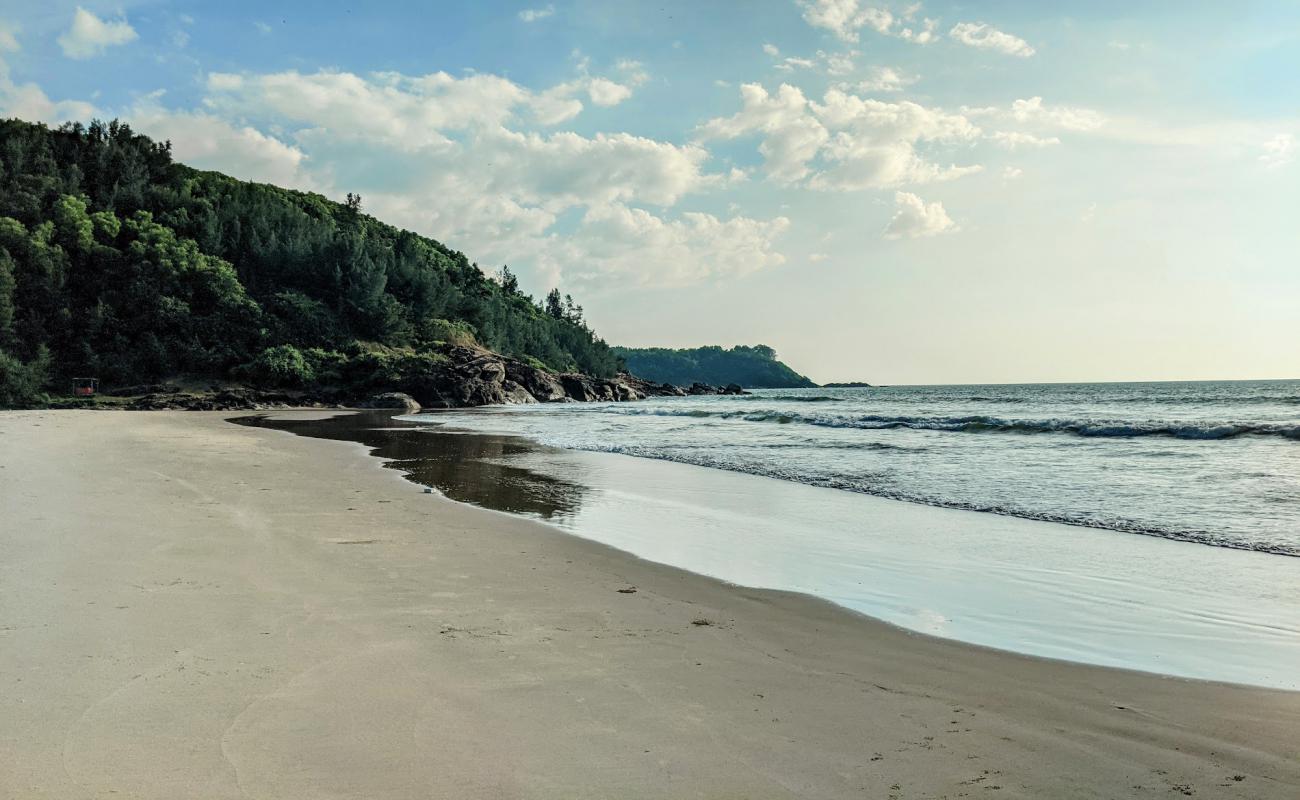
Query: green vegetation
{"x": 119, "y": 263}
{"x": 752, "y": 367}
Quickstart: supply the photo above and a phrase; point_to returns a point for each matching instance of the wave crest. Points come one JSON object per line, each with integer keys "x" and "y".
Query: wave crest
{"x": 978, "y": 423}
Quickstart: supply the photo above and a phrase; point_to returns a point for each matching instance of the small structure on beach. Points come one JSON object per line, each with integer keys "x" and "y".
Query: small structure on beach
{"x": 85, "y": 387}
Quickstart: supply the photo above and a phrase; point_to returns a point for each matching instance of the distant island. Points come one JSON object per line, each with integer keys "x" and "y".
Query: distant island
{"x": 755, "y": 367}
{"x": 848, "y": 385}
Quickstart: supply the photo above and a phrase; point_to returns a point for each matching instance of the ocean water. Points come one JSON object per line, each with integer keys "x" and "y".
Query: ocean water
{"x": 1214, "y": 463}
{"x": 1108, "y": 597}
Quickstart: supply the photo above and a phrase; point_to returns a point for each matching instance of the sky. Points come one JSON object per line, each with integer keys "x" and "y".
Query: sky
{"x": 896, "y": 192}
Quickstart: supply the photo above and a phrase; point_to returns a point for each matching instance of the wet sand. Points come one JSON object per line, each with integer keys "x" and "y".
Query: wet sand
{"x": 190, "y": 608}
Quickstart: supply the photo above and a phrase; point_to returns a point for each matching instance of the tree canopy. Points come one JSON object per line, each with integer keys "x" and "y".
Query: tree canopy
{"x": 118, "y": 262}
{"x": 753, "y": 367}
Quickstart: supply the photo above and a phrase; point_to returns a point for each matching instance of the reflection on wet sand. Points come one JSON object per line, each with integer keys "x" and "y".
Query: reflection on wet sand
{"x": 469, "y": 467}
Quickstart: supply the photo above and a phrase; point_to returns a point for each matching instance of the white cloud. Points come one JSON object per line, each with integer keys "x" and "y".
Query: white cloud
{"x": 639, "y": 246}
{"x": 791, "y": 136}
{"x": 817, "y": 258}
{"x": 845, "y": 18}
{"x": 846, "y": 142}
{"x": 884, "y": 79}
{"x": 1069, "y": 118}
{"x": 8, "y": 38}
{"x": 534, "y": 14}
{"x": 89, "y": 35}
{"x": 1014, "y": 140}
{"x": 1278, "y": 151}
{"x": 832, "y": 64}
{"x": 1037, "y": 123}
{"x": 925, "y": 35}
{"x": 604, "y": 92}
{"x": 453, "y": 158}
{"x": 28, "y": 101}
{"x": 263, "y": 28}
{"x": 792, "y": 63}
{"x": 208, "y": 142}
{"x": 914, "y": 218}
{"x": 838, "y": 64}
{"x": 1011, "y": 173}
{"x": 986, "y": 37}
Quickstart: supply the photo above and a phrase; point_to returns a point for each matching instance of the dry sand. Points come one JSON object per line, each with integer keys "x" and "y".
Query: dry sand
{"x": 194, "y": 609}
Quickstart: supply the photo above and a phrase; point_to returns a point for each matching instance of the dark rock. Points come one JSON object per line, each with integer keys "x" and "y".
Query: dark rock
{"x": 237, "y": 399}
{"x": 579, "y": 387}
{"x": 142, "y": 389}
{"x": 515, "y": 394}
{"x": 398, "y": 400}
{"x": 542, "y": 385}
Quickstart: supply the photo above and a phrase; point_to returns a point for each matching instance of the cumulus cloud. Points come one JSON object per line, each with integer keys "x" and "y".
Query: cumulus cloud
{"x": 208, "y": 142}
{"x": 845, "y": 18}
{"x": 1070, "y": 118}
{"x": 832, "y": 64}
{"x": 846, "y": 142}
{"x": 28, "y": 101}
{"x": 90, "y": 36}
{"x": 617, "y": 240}
{"x": 1278, "y": 151}
{"x": 454, "y": 158}
{"x": 986, "y": 37}
{"x": 914, "y": 218}
{"x": 884, "y": 79}
{"x": 604, "y": 92}
{"x": 534, "y": 14}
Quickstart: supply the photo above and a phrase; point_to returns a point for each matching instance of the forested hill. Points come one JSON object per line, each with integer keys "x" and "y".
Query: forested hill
{"x": 119, "y": 263}
{"x": 752, "y": 367}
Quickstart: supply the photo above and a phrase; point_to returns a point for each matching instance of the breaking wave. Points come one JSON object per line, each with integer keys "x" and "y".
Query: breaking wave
{"x": 978, "y": 423}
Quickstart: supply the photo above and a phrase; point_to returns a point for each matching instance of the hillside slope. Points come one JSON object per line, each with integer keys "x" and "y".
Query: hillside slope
{"x": 754, "y": 367}
{"x": 119, "y": 263}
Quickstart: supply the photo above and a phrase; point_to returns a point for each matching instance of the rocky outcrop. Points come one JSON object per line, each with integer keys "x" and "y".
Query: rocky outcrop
{"x": 142, "y": 389}
{"x": 398, "y": 400}
{"x": 543, "y": 386}
{"x": 453, "y": 376}
{"x": 240, "y": 399}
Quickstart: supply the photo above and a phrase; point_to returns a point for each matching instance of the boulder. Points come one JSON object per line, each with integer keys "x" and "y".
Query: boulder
{"x": 397, "y": 400}
{"x": 579, "y": 387}
{"x": 624, "y": 393}
{"x": 514, "y": 394}
{"x": 542, "y": 385}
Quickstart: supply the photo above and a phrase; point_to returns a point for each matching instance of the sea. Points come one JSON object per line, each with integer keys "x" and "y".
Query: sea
{"x": 1146, "y": 526}
{"x": 1215, "y": 463}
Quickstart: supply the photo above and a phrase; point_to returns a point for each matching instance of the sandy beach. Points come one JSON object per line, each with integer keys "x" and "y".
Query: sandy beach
{"x": 190, "y": 608}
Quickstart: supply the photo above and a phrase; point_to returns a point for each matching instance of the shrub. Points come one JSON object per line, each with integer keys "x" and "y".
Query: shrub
{"x": 22, "y": 385}
{"x": 282, "y": 365}
{"x": 442, "y": 330}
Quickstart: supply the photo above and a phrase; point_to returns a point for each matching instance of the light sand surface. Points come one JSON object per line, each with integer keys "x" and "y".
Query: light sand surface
{"x": 194, "y": 609}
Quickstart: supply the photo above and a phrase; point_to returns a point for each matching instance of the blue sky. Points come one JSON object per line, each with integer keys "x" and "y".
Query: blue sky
{"x": 897, "y": 192}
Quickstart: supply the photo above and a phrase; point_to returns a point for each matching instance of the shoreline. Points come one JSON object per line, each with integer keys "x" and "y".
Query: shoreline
{"x": 249, "y": 614}
{"x": 1206, "y": 613}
